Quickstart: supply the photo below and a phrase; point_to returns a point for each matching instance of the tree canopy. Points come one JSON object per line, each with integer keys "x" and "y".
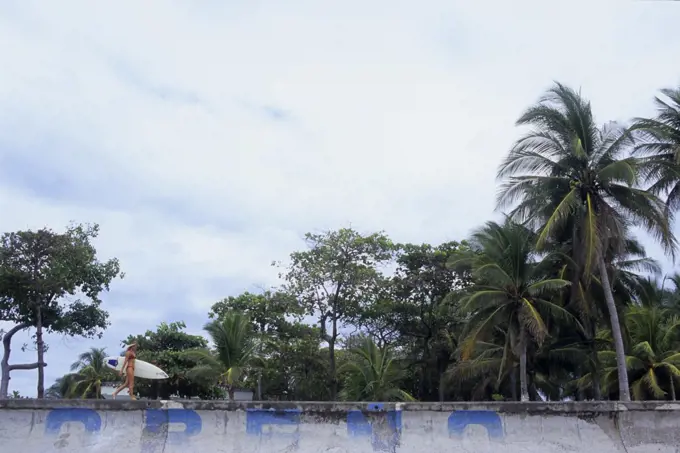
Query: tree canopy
{"x": 558, "y": 300}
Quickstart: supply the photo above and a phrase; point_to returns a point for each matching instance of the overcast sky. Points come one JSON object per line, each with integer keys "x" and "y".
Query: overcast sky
{"x": 207, "y": 137}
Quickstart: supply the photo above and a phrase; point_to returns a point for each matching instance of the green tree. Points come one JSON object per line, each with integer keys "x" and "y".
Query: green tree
{"x": 373, "y": 374}
{"x": 294, "y": 367}
{"x": 90, "y": 371}
{"x": 659, "y": 143}
{"x": 425, "y": 292}
{"x": 235, "y": 352}
{"x": 40, "y": 272}
{"x": 586, "y": 300}
{"x": 512, "y": 288}
{"x": 566, "y": 173}
{"x": 166, "y": 347}
{"x": 267, "y": 311}
{"x": 62, "y": 387}
{"x": 654, "y": 360}
{"x": 489, "y": 370}
{"x": 334, "y": 278}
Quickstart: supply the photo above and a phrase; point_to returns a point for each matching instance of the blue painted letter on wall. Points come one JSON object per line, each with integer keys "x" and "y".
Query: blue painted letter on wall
{"x": 459, "y": 420}
{"x": 157, "y": 432}
{"x": 57, "y": 417}
{"x": 384, "y": 428}
{"x": 257, "y": 419}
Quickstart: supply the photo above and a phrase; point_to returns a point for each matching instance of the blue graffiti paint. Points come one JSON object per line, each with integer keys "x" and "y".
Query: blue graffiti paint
{"x": 56, "y": 418}
{"x": 459, "y": 420}
{"x": 157, "y": 428}
{"x": 157, "y": 421}
{"x": 357, "y": 425}
{"x": 257, "y": 419}
{"x": 382, "y": 440}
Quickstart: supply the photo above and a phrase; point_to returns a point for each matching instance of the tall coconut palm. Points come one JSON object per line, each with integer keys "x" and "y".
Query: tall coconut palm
{"x": 373, "y": 374}
{"x": 235, "y": 351}
{"x": 659, "y": 142}
{"x": 512, "y": 289}
{"x": 90, "y": 372}
{"x": 568, "y": 173}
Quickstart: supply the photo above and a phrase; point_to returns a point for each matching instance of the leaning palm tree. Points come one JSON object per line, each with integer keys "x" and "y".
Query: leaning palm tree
{"x": 235, "y": 352}
{"x": 512, "y": 287}
{"x": 659, "y": 143}
{"x": 90, "y": 372}
{"x": 569, "y": 174}
{"x": 373, "y": 374}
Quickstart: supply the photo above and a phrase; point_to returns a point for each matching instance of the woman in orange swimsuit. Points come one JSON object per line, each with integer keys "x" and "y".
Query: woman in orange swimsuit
{"x": 128, "y": 370}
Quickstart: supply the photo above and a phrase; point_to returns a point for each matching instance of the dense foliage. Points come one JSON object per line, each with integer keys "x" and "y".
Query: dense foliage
{"x": 557, "y": 300}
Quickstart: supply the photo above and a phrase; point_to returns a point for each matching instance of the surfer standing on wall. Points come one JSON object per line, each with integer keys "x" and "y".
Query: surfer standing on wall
{"x": 128, "y": 370}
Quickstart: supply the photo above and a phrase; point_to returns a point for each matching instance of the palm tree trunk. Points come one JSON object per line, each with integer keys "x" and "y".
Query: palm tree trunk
{"x": 597, "y": 390}
{"x": 513, "y": 384}
{"x": 441, "y": 387}
{"x": 595, "y": 373}
{"x": 672, "y": 388}
{"x": 524, "y": 388}
{"x": 624, "y": 390}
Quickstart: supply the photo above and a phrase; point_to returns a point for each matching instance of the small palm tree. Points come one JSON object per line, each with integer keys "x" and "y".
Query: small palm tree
{"x": 653, "y": 364}
{"x": 595, "y": 360}
{"x": 62, "y": 387}
{"x": 654, "y": 358}
{"x": 90, "y": 372}
{"x": 235, "y": 352}
{"x": 490, "y": 367}
{"x": 659, "y": 143}
{"x": 568, "y": 174}
{"x": 373, "y": 374}
{"x": 512, "y": 289}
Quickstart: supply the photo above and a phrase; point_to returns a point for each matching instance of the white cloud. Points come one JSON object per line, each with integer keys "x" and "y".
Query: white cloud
{"x": 206, "y": 138}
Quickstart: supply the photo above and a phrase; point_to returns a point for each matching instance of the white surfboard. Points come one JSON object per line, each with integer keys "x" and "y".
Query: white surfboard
{"x": 143, "y": 369}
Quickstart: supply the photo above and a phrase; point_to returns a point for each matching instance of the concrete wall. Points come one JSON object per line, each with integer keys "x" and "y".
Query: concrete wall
{"x": 31, "y": 426}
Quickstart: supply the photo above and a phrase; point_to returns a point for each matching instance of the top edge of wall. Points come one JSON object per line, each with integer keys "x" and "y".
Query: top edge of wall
{"x": 580, "y": 407}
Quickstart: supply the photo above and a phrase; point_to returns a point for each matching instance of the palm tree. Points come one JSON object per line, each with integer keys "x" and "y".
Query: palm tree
{"x": 235, "y": 351}
{"x": 512, "y": 286}
{"x": 373, "y": 374}
{"x": 660, "y": 144}
{"x": 62, "y": 387}
{"x": 654, "y": 359}
{"x": 90, "y": 372}
{"x": 595, "y": 361}
{"x": 490, "y": 369}
{"x": 569, "y": 175}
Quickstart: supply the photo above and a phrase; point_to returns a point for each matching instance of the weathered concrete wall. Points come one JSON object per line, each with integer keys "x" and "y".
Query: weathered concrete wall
{"x": 31, "y": 426}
